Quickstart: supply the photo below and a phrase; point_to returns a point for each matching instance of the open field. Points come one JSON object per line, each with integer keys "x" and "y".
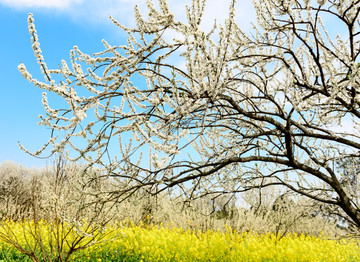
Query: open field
{"x": 157, "y": 243}
{"x": 46, "y": 217}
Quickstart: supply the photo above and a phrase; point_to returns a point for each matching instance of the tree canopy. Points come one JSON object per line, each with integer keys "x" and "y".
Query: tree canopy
{"x": 219, "y": 111}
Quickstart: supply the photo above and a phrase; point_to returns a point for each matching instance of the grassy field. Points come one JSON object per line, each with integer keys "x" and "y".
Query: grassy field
{"x": 128, "y": 242}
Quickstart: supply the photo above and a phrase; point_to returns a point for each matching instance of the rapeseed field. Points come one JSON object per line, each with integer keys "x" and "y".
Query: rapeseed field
{"x": 129, "y": 242}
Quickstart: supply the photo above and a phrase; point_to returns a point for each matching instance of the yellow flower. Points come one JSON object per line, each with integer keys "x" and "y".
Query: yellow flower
{"x": 159, "y": 243}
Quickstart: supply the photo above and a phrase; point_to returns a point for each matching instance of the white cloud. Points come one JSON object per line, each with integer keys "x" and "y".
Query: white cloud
{"x": 57, "y": 4}
{"x": 347, "y": 126}
{"x": 245, "y": 12}
{"x": 98, "y": 11}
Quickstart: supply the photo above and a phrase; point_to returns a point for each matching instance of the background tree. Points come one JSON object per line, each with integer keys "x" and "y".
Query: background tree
{"x": 45, "y": 216}
{"x": 223, "y": 109}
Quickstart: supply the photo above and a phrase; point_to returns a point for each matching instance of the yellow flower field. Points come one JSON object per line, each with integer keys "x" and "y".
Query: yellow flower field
{"x": 128, "y": 242}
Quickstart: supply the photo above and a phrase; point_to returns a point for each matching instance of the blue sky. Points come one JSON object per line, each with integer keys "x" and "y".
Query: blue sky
{"x": 61, "y": 24}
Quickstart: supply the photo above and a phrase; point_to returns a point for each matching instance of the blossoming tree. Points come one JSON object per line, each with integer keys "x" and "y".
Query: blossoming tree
{"x": 217, "y": 112}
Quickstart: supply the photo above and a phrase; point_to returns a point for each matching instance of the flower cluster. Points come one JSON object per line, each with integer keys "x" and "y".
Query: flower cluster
{"x": 128, "y": 242}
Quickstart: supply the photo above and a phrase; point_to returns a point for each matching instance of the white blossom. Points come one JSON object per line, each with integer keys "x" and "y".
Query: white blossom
{"x": 24, "y": 72}
{"x": 211, "y": 103}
